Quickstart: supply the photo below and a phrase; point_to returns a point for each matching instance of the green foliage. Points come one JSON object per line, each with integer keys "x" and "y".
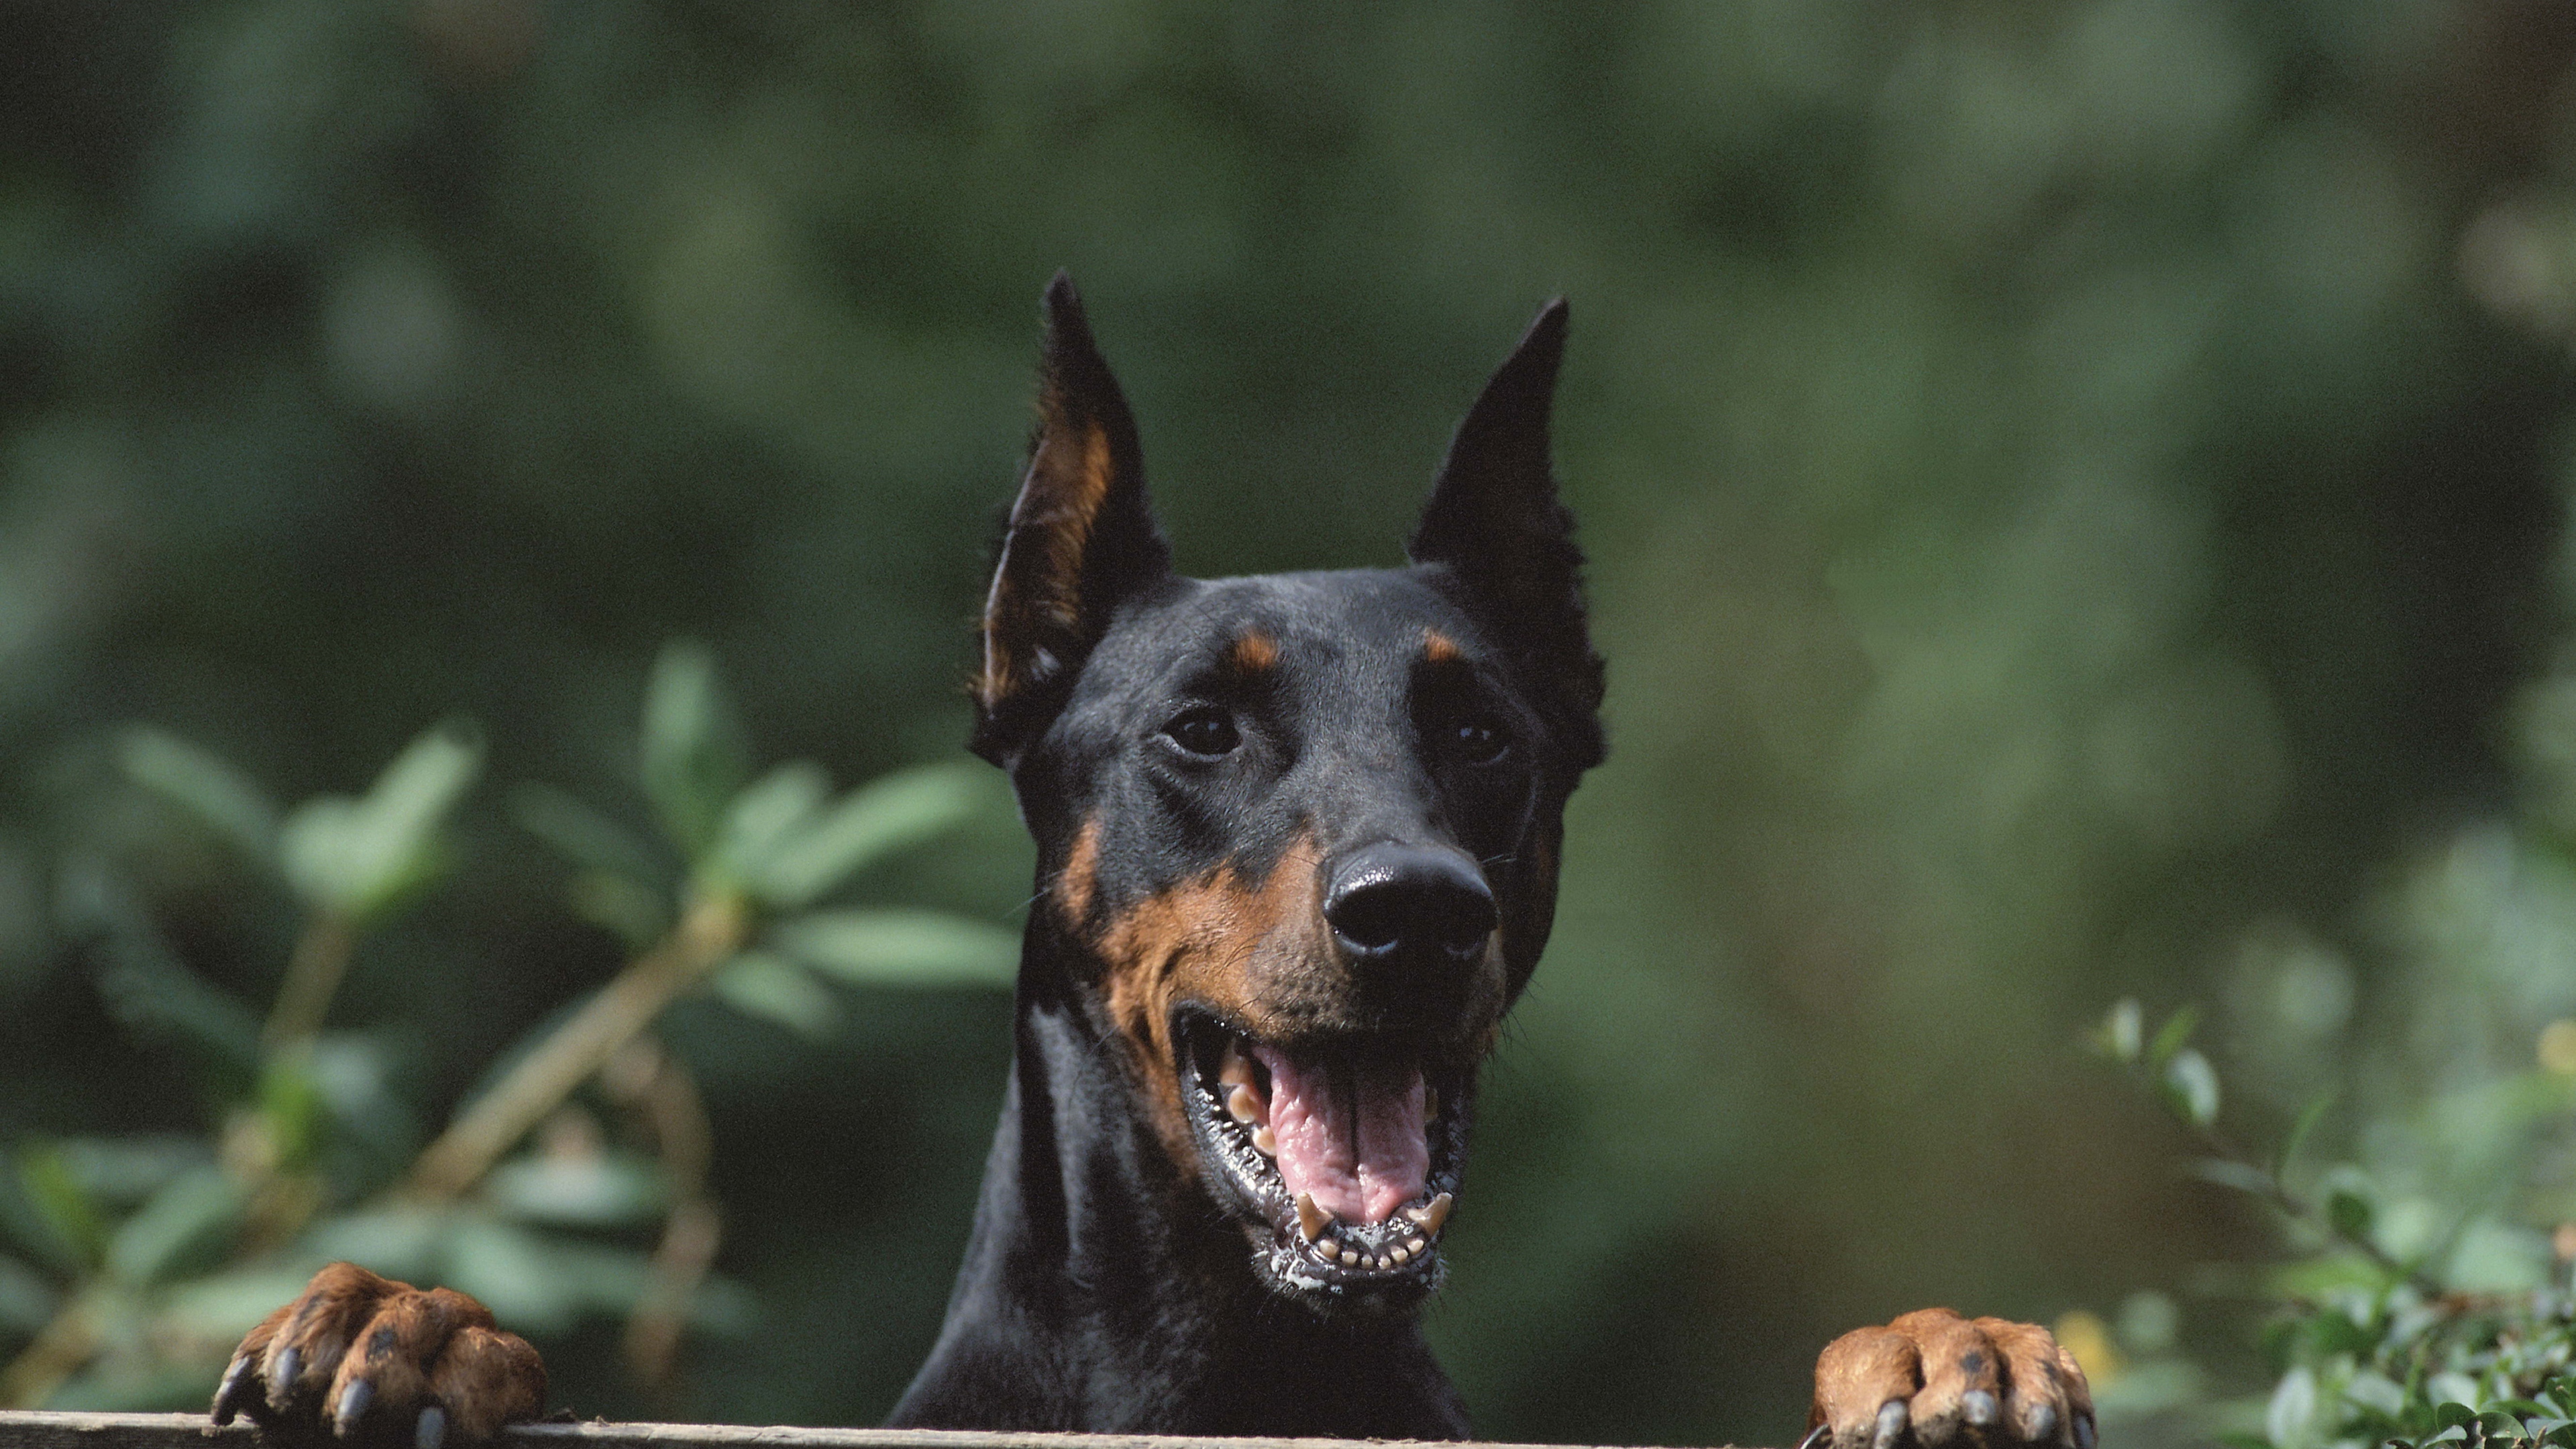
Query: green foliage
{"x": 2442, "y": 1321}
{"x": 129, "y": 1265}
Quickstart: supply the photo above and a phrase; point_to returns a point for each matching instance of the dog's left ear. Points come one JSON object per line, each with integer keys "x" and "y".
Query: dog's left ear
{"x": 1494, "y": 521}
{"x": 1082, "y": 538}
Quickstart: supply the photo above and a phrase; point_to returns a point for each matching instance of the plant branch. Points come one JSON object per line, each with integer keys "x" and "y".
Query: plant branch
{"x": 313, "y": 972}
{"x": 2266, "y": 1185}
{"x": 657, "y": 1088}
{"x": 713, "y": 929}
{"x": 57, "y": 1352}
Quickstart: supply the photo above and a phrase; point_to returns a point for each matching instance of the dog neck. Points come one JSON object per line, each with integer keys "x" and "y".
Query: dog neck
{"x": 1102, "y": 1291}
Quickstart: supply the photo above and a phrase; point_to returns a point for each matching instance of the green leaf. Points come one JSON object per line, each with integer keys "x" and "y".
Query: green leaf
{"x": 600, "y": 1190}
{"x": 400, "y": 1242}
{"x": 695, "y": 755}
{"x": 27, "y": 1301}
{"x": 362, "y": 857}
{"x": 757, "y": 983}
{"x": 538, "y": 1280}
{"x": 219, "y": 796}
{"x": 2451, "y": 1415}
{"x": 902, "y": 948}
{"x": 2309, "y": 1117}
{"x": 291, "y": 1108}
{"x": 2190, "y": 1087}
{"x": 2497, "y": 1424}
{"x": 126, "y": 1171}
{"x": 767, "y": 812}
{"x": 222, "y": 1307}
{"x": 2292, "y": 1409}
{"x": 2348, "y": 1213}
{"x": 185, "y": 1227}
{"x": 150, "y": 992}
{"x": 637, "y": 914}
{"x": 60, "y": 1226}
{"x": 2118, "y": 1035}
{"x": 888, "y": 814}
{"x": 2171, "y": 1036}
{"x": 584, "y": 836}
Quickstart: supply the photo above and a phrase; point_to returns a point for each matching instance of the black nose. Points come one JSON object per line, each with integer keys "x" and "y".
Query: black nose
{"x": 1391, "y": 900}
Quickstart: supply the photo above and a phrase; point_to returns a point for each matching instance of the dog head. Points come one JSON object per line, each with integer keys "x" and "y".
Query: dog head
{"x": 1297, "y": 833}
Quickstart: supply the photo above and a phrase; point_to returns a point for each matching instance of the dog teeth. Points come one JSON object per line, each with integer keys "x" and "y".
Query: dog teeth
{"x": 1328, "y": 1249}
{"x": 1242, "y": 1105}
{"x": 1265, "y": 1142}
{"x": 1415, "y": 1245}
{"x": 1430, "y": 1215}
{"x": 1236, "y": 1069}
{"x": 1311, "y": 1219}
{"x": 1384, "y": 1262}
{"x": 1350, "y": 1257}
{"x": 1401, "y": 1254}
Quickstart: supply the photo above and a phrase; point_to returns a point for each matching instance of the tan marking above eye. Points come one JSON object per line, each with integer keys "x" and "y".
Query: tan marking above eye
{"x": 1254, "y": 653}
{"x": 1439, "y": 648}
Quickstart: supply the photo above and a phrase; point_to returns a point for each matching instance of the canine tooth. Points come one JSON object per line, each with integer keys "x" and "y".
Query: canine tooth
{"x": 1265, "y": 1142}
{"x": 1311, "y": 1220}
{"x": 1242, "y": 1105}
{"x": 1350, "y": 1258}
{"x": 1234, "y": 1071}
{"x": 1400, "y": 1253}
{"x": 1430, "y": 1215}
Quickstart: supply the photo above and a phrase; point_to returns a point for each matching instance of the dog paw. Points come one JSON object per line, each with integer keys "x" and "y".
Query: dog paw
{"x": 370, "y": 1361}
{"x": 1932, "y": 1378}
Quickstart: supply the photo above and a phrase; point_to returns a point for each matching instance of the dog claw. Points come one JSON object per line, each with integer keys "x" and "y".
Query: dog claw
{"x": 2039, "y": 1426}
{"x": 353, "y": 1406}
{"x": 228, "y": 1393}
{"x": 281, "y": 1379}
{"x": 1890, "y": 1427}
{"x": 2084, "y": 1431}
{"x": 432, "y": 1429}
{"x": 1978, "y": 1407}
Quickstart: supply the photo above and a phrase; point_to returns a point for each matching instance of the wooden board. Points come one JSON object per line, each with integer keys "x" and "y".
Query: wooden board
{"x": 37, "y": 1429}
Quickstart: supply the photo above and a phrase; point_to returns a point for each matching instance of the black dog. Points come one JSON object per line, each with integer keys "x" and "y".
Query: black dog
{"x": 1298, "y": 840}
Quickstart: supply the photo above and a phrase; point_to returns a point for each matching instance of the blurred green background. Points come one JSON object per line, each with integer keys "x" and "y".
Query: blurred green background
{"x": 2074, "y": 494}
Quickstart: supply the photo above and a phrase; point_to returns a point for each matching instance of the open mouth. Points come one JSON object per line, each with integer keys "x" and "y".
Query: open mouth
{"x": 1344, "y": 1156}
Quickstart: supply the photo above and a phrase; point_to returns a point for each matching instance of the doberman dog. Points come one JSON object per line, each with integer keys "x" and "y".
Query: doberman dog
{"x": 1297, "y": 855}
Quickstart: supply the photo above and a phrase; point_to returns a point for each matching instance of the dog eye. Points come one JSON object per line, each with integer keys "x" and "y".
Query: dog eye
{"x": 1207, "y": 731}
{"x": 1474, "y": 740}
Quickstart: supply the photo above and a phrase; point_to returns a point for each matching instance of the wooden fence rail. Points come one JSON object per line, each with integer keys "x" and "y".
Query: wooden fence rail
{"x": 38, "y": 1429}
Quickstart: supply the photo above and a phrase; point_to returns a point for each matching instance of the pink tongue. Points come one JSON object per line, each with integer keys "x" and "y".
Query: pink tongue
{"x": 1354, "y": 1139}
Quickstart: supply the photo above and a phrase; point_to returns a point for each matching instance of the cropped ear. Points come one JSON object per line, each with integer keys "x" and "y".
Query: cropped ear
{"x": 1494, "y": 521}
{"x": 1081, "y": 537}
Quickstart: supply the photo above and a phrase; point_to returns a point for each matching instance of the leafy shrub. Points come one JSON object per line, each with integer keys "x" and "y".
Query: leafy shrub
{"x": 132, "y": 1264}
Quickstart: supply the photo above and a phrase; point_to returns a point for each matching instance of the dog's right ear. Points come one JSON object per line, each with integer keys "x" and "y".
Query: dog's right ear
{"x": 1081, "y": 540}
